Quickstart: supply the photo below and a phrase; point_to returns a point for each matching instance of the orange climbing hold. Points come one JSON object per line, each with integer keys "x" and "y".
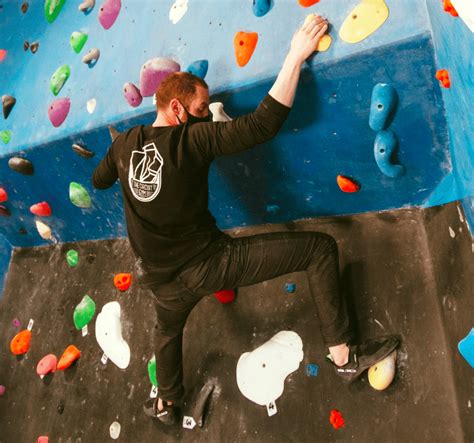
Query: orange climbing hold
{"x": 448, "y": 7}
{"x": 123, "y": 281}
{"x": 3, "y": 195}
{"x": 70, "y": 355}
{"x": 336, "y": 419}
{"x": 3, "y": 54}
{"x": 443, "y": 76}
{"x": 244, "y": 45}
{"x": 307, "y": 3}
{"x": 346, "y": 184}
{"x": 41, "y": 209}
{"x": 21, "y": 342}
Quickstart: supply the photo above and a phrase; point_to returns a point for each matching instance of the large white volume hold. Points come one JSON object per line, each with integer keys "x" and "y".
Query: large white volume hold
{"x": 261, "y": 373}
{"x": 465, "y": 9}
{"x": 218, "y": 113}
{"x": 108, "y": 332}
{"x": 177, "y": 11}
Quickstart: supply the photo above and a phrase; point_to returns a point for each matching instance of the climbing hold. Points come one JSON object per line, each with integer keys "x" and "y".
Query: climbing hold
{"x": 34, "y": 47}
{"x": 382, "y": 373}
{"x": 346, "y": 184}
{"x": 152, "y": 371}
{"x": 90, "y": 258}
{"x": 21, "y": 165}
{"x": 58, "y": 111}
{"x": 41, "y": 209}
{"x": 290, "y": 288}
{"x": 60, "y": 407}
{"x": 16, "y": 323}
{"x": 21, "y": 342}
{"x": 363, "y": 20}
{"x": 3, "y": 195}
{"x": 336, "y": 419}
{"x": 7, "y": 102}
{"x": 325, "y": 41}
{"x": 72, "y": 258}
{"x": 3, "y": 54}
{"x": 153, "y": 72}
{"x": 59, "y": 78}
{"x": 123, "y": 281}
{"x": 24, "y": 7}
{"x": 466, "y": 347}
{"x": 91, "y": 57}
{"x": 26, "y": 45}
{"x": 225, "y": 296}
{"x": 198, "y": 68}
{"x": 82, "y": 151}
{"x": 2, "y": 390}
{"x": 385, "y": 146}
{"x": 84, "y": 312}
{"x": 43, "y": 230}
{"x": 108, "y": 332}
{"x": 70, "y": 355}
{"x": 109, "y": 12}
{"x": 91, "y": 104}
{"x": 132, "y": 94}
{"x": 307, "y": 3}
{"x": 113, "y": 133}
{"x": 4, "y": 212}
{"x": 273, "y": 209}
{"x": 5, "y": 136}
{"x": 218, "y": 113}
{"x": 79, "y": 196}
{"x": 443, "y": 76}
{"x": 383, "y": 104}
{"x": 87, "y": 6}
{"x": 200, "y": 408}
{"x": 43, "y": 439}
{"x": 261, "y": 7}
{"x": 52, "y": 8}
{"x": 448, "y": 7}
{"x": 312, "y": 370}
{"x": 244, "y": 46}
{"x": 114, "y": 430}
{"x": 78, "y": 40}
{"x": 177, "y": 10}
{"x": 46, "y": 365}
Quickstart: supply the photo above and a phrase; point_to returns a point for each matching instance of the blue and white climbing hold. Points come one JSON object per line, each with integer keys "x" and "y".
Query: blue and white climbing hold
{"x": 198, "y": 68}
{"x": 312, "y": 370}
{"x": 466, "y": 347}
{"x": 383, "y": 104}
{"x": 261, "y": 7}
{"x": 385, "y": 147}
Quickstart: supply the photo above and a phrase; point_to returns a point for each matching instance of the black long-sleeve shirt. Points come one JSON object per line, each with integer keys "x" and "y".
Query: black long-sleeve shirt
{"x": 163, "y": 174}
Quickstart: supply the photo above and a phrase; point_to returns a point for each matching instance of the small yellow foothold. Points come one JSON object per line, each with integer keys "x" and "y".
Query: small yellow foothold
{"x": 382, "y": 373}
{"x": 363, "y": 20}
{"x": 325, "y": 41}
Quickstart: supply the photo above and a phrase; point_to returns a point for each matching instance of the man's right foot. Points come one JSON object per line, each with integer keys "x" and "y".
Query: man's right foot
{"x": 168, "y": 416}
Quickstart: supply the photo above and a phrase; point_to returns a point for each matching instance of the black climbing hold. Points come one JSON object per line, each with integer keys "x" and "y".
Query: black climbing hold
{"x": 26, "y": 45}
{"x": 24, "y": 7}
{"x": 82, "y": 151}
{"x": 22, "y": 231}
{"x": 201, "y": 401}
{"x": 90, "y": 258}
{"x": 60, "y": 408}
{"x": 7, "y": 102}
{"x": 113, "y": 133}
{"x": 4, "y": 211}
{"x": 21, "y": 165}
{"x": 34, "y": 47}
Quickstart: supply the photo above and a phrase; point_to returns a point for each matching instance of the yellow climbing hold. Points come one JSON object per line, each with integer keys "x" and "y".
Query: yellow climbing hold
{"x": 325, "y": 41}
{"x": 364, "y": 20}
{"x": 382, "y": 373}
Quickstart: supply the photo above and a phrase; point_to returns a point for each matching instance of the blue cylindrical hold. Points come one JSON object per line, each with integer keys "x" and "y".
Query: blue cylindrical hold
{"x": 290, "y": 287}
{"x": 384, "y": 102}
{"x": 198, "y": 68}
{"x": 261, "y": 7}
{"x": 385, "y": 146}
{"x": 273, "y": 209}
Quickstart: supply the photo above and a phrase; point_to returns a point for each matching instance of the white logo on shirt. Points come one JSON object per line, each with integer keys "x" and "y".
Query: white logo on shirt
{"x": 144, "y": 174}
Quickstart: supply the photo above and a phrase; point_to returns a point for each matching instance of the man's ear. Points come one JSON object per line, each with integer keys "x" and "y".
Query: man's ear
{"x": 175, "y": 106}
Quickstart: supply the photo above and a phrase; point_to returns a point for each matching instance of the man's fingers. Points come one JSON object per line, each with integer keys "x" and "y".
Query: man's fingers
{"x": 319, "y": 31}
{"x": 309, "y": 25}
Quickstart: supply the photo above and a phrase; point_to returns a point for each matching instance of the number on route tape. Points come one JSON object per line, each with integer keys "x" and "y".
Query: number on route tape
{"x": 271, "y": 408}
{"x": 104, "y": 359}
{"x": 30, "y": 324}
{"x": 188, "y": 422}
{"x": 84, "y": 331}
{"x": 154, "y": 392}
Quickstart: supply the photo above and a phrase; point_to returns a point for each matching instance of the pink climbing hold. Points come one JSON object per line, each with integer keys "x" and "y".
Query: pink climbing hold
{"x": 43, "y": 439}
{"x": 132, "y": 94}
{"x": 58, "y": 111}
{"x": 41, "y": 209}
{"x": 153, "y": 72}
{"x": 2, "y": 390}
{"x": 46, "y": 365}
{"x": 3, "y": 195}
{"x": 3, "y": 54}
{"x": 109, "y": 12}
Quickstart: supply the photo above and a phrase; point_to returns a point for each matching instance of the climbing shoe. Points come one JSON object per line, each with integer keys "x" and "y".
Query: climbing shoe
{"x": 364, "y": 355}
{"x": 169, "y": 415}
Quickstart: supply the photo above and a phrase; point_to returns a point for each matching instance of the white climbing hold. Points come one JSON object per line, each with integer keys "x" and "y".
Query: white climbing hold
{"x": 44, "y": 230}
{"x": 177, "y": 11}
{"x": 115, "y": 430}
{"x": 218, "y": 113}
{"x": 91, "y": 104}
{"x": 451, "y": 232}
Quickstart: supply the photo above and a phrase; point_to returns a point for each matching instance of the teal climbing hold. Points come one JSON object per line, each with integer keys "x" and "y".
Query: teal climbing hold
{"x": 152, "y": 371}
{"x": 52, "y": 8}
{"x": 84, "y": 312}
{"x": 79, "y": 196}
{"x": 72, "y": 258}
{"x": 261, "y": 7}
{"x": 6, "y": 136}
{"x": 385, "y": 147}
{"x": 78, "y": 40}
{"x": 466, "y": 347}
{"x": 198, "y": 68}
{"x": 382, "y": 107}
{"x": 59, "y": 78}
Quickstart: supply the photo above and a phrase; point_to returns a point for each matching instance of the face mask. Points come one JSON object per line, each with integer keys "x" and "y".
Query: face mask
{"x": 193, "y": 119}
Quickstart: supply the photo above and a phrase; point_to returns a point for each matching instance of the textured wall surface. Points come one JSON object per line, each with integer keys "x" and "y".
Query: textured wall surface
{"x": 5, "y": 255}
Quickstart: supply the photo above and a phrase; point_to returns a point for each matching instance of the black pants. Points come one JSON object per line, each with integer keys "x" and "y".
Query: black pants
{"x": 241, "y": 262}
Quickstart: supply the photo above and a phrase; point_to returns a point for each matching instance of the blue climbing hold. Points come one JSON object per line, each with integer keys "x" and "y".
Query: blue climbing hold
{"x": 466, "y": 347}
{"x": 385, "y": 147}
{"x": 312, "y": 370}
{"x": 273, "y": 209}
{"x": 382, "y": 107}
{"x": 261, "y": 7}
{"x": 198, "y": 68}
{"x": 290, "y": 287}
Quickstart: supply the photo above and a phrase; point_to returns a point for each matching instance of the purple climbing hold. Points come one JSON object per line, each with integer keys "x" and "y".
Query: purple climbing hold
{"x": 16, "y": 323}
{"x": 58, "y": 111}
{"x": 153, "y": 72}
{"x": 109, "y": 12}
{"x": 132, "y": 94}
{"x": 4, "y": 211}
{"x": 2, "y": 390}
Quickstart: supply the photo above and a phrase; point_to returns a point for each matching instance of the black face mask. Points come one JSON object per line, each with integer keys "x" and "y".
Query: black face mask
{"x": 193, "y": 119}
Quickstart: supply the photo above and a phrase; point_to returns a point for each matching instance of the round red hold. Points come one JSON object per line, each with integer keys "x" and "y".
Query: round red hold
{"x": 123, "y": 281}
{"x": 3, "y": 195}
{"x": 336, "y": 419}
{"x": 41, "y": 209}
{"x": 225, "y": 296}
{"x": 3, "y": 54}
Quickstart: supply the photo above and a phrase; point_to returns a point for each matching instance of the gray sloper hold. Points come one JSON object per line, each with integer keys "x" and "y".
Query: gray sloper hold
{"x": 201, "y": 401}
{"x": 92, "y": 56}
{"x": 8, "y": 102}
{"x": 21, "y": 165}
{"x": 82, "y": 151}
{"x": 113, "y": 133}
{"x": 87, "y": 6}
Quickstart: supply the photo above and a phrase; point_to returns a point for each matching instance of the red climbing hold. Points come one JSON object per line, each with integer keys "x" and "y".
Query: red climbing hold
{"x": 443, "y": 76}
{"x": 448, "y": 7}
{"x": 3, "y": 195}
{"x": 225, "y": 296}
{"x": 43, "y": 439}
{"x": 346, "y": 184}
{"x": 336, "y": 419}
{"x": 3, "y": 54}
{"x": 21, "y": 342}
{"x": 70, "y": 355}
{"x": 307, "y": 3}
{"x": 46, "y": 365}
{"x": 244, "y": 45}
{"x": 123, "y": 281}
{"x": 41, "y": 209}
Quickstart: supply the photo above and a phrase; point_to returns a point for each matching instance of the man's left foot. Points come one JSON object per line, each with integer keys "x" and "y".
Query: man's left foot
{"x": 168, "y": 416}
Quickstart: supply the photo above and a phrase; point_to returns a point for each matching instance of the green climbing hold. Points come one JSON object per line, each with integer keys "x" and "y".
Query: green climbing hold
{"x": 59, "y": 78}
{"x": 72, "y": 258}
{"x": 78, "y": 40}
{"x": 79, "y": 196}
{"x": 5, "y": 136}
{"x": 152, "y": 371}
{"x": 52, "y": 8}
{"x": 84, "y": 312}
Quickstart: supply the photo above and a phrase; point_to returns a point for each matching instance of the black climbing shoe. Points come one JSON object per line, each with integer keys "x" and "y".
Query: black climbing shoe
{"x": 364, "y": 355}
{"x": 169, "y": 415}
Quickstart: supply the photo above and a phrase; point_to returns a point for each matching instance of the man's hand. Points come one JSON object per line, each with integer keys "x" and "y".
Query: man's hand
{"x": 306, "y": 39}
